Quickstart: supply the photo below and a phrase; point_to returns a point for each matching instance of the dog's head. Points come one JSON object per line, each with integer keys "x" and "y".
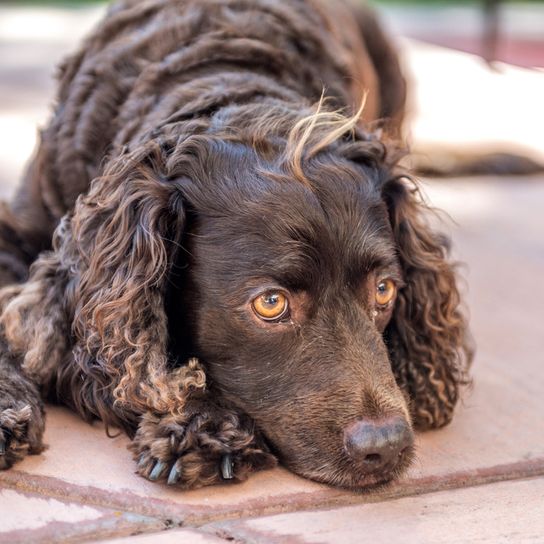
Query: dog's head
{"x": 301, "y": 274}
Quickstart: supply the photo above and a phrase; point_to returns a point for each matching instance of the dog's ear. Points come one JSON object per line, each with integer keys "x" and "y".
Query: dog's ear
{"x": 125, "y": 233}
{"x": 427, "y": 335}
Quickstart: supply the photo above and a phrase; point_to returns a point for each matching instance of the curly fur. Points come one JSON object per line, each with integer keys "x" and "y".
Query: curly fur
{"x": 427, "y": 333}
{"x": 177, "y": 116}
{"x": 22, "y": 417}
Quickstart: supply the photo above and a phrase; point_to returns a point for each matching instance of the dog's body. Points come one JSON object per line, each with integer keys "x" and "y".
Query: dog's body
{"x": 221, "y": 195}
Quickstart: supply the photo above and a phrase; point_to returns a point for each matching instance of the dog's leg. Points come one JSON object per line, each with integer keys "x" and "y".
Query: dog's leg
{"x": 22, "y": 416}
{"x": 34, "y": 338}
{"x": 203, "y": 443}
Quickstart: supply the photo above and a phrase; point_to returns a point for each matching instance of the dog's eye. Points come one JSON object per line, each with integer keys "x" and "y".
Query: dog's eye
{"x": 271, "y": 306}
{"x": 385, "y": 292}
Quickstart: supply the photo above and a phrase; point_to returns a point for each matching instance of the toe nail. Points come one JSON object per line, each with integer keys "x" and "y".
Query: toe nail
{"x": 174, "y": 475}
{"x": 157, "y": 470}
{"x": 226, "y": 467}
{"x": 2, "y": 447}
{"x": 142, "y": 461}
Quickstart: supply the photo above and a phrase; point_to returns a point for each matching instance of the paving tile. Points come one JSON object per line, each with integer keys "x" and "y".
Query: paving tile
{"x": 28, "y": 517}
{"x": 492, "y": 514}
{"x": 176, "y": 536}
{"x": 82, "y": 462}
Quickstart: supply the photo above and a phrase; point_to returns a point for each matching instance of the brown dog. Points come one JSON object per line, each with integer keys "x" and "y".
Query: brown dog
{"x": 222, "y": 269}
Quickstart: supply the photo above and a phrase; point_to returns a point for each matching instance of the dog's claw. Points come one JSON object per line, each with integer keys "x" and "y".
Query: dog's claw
{"x": 174, "y": 475}
{"x": 2, "y": 447}
{"x": 157, "y": 470}
{"x": 142, "y": 461}
{"x": 226, "y": 467}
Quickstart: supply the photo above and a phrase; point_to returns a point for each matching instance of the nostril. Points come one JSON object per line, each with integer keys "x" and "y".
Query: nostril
{"x": 378, "y": 444}
{"x": 373, "y": 459}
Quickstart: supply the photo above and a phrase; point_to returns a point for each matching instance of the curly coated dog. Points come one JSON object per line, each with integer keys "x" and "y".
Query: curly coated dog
{"x": 216, "y": 250}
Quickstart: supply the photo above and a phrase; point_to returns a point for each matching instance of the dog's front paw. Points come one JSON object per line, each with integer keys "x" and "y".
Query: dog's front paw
{"x": 202, "y": 447}
{"x": 21, "y": 428}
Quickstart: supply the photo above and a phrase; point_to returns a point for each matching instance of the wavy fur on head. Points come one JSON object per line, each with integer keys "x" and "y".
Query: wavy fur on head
{"x": 186, "y": 167}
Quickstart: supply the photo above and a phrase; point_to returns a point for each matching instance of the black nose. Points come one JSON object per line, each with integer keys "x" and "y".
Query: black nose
{"x": 378, "y": 445}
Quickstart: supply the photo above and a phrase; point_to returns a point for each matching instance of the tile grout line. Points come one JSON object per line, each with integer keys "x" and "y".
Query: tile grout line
{"x": 444, "y": 485}
{"x": 211, "y": 528}
{"x": 197, "y": 516}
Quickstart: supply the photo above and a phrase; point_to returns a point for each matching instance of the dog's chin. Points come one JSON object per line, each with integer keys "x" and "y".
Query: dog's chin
{"x": 348, "y": 476}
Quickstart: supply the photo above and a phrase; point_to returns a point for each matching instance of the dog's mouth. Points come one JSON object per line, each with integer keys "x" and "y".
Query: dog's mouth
{"x": 350, "y": 475}
{"x": 372, "y": 481}
{"x": 357, "y": 481}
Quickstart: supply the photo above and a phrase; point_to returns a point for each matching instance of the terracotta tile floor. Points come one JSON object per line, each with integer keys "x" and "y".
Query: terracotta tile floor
{"x": 479, "y": 480}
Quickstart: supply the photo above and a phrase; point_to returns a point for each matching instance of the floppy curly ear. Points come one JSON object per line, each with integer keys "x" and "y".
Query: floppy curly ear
{"x": 125, "y": 232}
{"x": 427, "y": 335}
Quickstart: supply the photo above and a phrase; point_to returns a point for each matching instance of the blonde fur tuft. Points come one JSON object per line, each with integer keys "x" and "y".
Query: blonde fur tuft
{"x": 305, "y": 140}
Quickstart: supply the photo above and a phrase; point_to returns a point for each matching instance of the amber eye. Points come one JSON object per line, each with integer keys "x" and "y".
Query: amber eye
{"x": 271, "y": 306}
{"x": 385, "y": 292}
